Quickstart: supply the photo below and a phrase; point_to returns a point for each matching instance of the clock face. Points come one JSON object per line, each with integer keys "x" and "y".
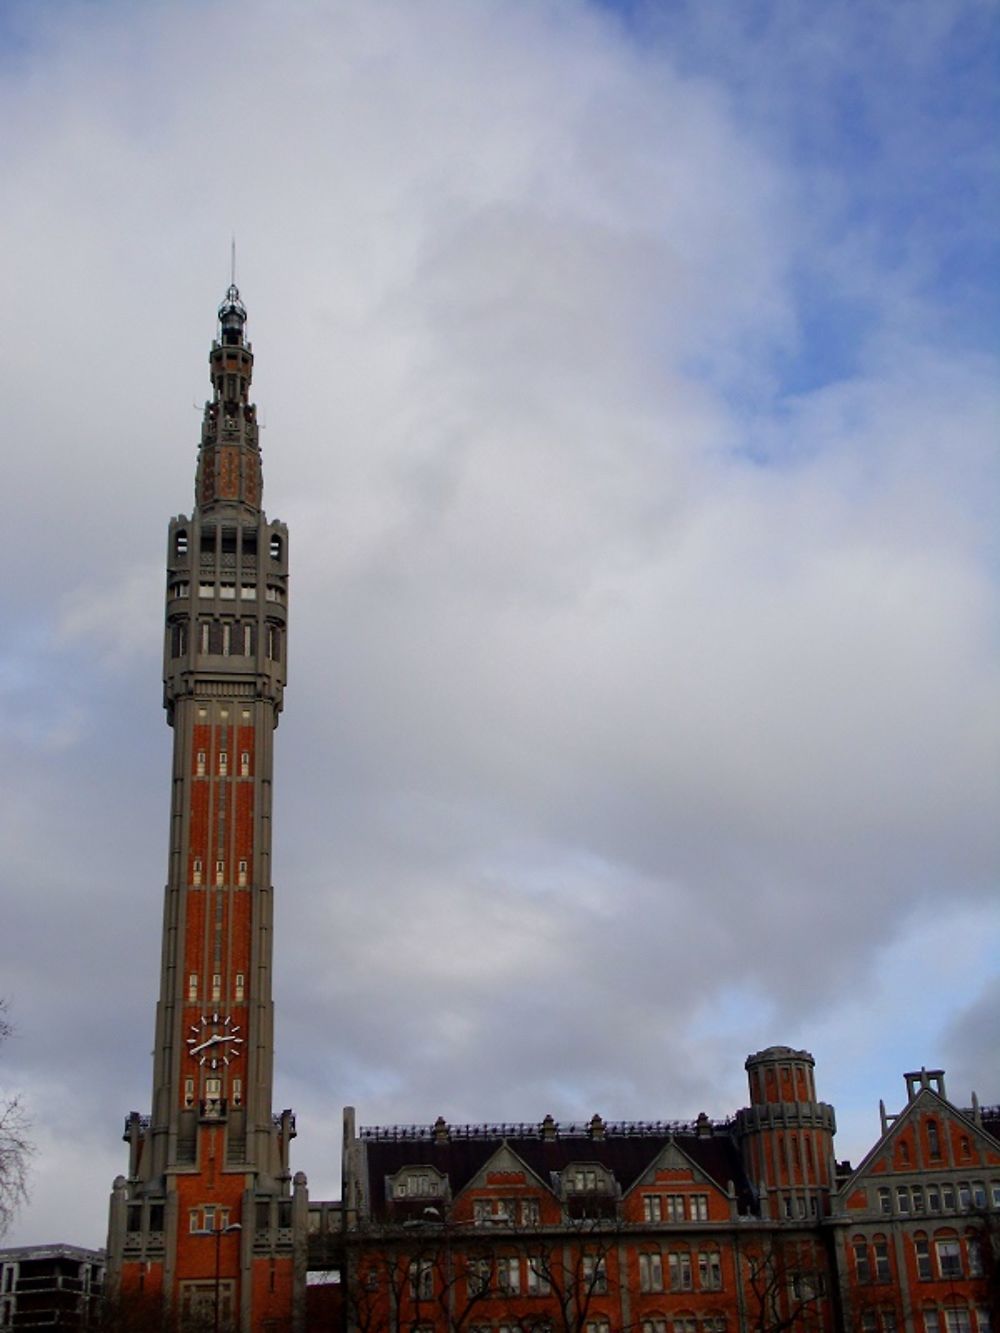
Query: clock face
{"x": 215, "y": 1040}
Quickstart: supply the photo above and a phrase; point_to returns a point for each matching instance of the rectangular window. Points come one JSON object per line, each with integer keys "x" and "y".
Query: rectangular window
{"x": 979, "y": 1193}
{"x": 933, "y": 1199}
{"x": 932, "y": 1324}
{"x": 193, "y": 986}
{"x": 237, "y": 1087}
{"x": 652, "y": 1208}
{"x": 196, "y": 871}
{"x": 199, "y": 764}
{"x": 538, "y": 1275}
{"x": 975, "y": 1249}
{"x": 598, "y": 1326}
{"x": 421, "y": 1280}
{"x": 861, "y": 1268}
{"x": 679, "y": 1265}
{"x": 247, "y": 639}
{"x": 685, "y": 1325}
{"x": 654, "y": 1326}
{"x": 948, "y": 1196}
{"x": 194, "y": 1221}
{"x": 882, "y": 1271}
{"x": 699, "y": 1207}
{"x": 240, "y": 986}
{"x": 595, "y": 1276}
{"x": 710, "y": 1270}
{"x": 245, "y": 764}
{"x": 509, "y": 1275}
{"x": 220, "y": 872}
{"x": 917, "y": 1195}
{"x": 216, "y": 985}
{"x": 949, "y": 1257}
{"x": 223, "y": 763}
{"x": 869, "y": 1322}
{"x": 885, "y": 1200}
{"x": 529, "y": 1213}
{"x": 478, "y": 1277}
{"x": 650, "y": 1272}
{"x": 922, "y": 1251}
{"x": 206, "y": 589}
{"x": 227, "y": 591}
{"x": 964, "y": 1196}
{"x": 241, "y": 873}
{"x": 482, "y": 1212}
{"x": 902, "y": 1198}
{"x": 956, "y": 1320}
{"x": 983, "y": 1324}
{"x": 189, "y": 1092}
{"x": 248, "y": 591}
{"x": 675, "y": 1207}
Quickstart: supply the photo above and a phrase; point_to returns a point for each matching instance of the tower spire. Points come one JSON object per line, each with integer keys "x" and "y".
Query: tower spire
{"x": 211, "y": 1157}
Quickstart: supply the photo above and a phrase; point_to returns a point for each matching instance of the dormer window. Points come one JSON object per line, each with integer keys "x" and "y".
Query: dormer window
{"x": 421, "y": 1182}
{"x": 586, "y": 1180}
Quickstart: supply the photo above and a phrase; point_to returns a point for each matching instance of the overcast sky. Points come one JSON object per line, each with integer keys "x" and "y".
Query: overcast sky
{"x": 630, "y": 389}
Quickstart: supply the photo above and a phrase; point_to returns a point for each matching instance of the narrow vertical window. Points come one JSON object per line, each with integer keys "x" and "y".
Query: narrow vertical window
{"x": 189, "y": 1092}
{"x": 227, "y": 638}
{"x": 196, "y": 871}
{"x": 220, "y": 872}
{"x": 241, "y": 874}
{"x": 223, "y": 763}
{"x": 240, "y": 986}
{"x": 216, "y": 986}
{"x": 193, "y": 986}
{"x": 245, "y": 764}
{"x": 199, "y": 764}
{"x": 933, "y": 1141}
{"x": 237, "y": 1091}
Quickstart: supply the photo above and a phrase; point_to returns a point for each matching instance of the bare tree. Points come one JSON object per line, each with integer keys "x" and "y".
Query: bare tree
{"x": 15, "y": 1146}
{"x": 786, "y": 1285}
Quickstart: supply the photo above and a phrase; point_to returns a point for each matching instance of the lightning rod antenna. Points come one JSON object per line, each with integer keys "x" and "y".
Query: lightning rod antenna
{"x": 232, "y": 260}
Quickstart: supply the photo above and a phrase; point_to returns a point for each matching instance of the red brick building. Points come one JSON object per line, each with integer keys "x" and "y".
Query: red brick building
{"x": 742, "y": 1224}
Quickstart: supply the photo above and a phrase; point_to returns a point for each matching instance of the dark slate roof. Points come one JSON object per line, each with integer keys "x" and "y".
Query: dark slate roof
{"x": 626, "y": 1154}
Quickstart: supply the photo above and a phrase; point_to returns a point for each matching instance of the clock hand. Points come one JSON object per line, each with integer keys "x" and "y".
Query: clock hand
{"x": 210, "y": 1042}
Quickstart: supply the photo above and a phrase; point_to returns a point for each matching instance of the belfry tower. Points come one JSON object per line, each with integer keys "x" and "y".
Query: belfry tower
{"x": 204, "y": 1221}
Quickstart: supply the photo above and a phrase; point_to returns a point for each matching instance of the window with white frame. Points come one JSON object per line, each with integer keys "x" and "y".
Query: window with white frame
{"x": 478, "y": 1275}
{"x": 949, "y": 1257}
{"x": 880, "y": 1250}
{"x": 675, "y": 1207}
{"x": 679, "y": 1267}
{"x": 193, "y": 986}
{"x": 651, "y": 1271}
{"x": 654, "y": 1325}
{"x": 922, "y": 1253}
{"x": 956, "y": 1320}
{"x": 537, "y": 1268}
{"x": 652, "y": 1208}
{"x": 421, "y": 1277}
{"x": 509, "y": 1275}
{"x": 699, "y": 1207}
{"x": 685, "y": 1324}
{"x": 595, "y": 1273}
{"x": 710, "y": 1270}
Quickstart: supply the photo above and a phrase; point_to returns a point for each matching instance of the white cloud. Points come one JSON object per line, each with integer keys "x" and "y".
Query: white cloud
{"x": 642, "y": 686}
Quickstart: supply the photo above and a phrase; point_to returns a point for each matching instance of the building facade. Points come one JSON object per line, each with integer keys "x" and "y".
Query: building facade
{"x": 710, "y": 1227}
{"x": 717, "y": 1226}
{"x": 50, "y": 1286}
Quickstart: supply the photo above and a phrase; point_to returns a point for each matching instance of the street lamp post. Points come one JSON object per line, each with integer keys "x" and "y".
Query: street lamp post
{"x": 218, "y": 1232}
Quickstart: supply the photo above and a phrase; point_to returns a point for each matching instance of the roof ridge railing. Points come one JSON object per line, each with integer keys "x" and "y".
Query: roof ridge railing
{"x": 532, "y": 1130}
